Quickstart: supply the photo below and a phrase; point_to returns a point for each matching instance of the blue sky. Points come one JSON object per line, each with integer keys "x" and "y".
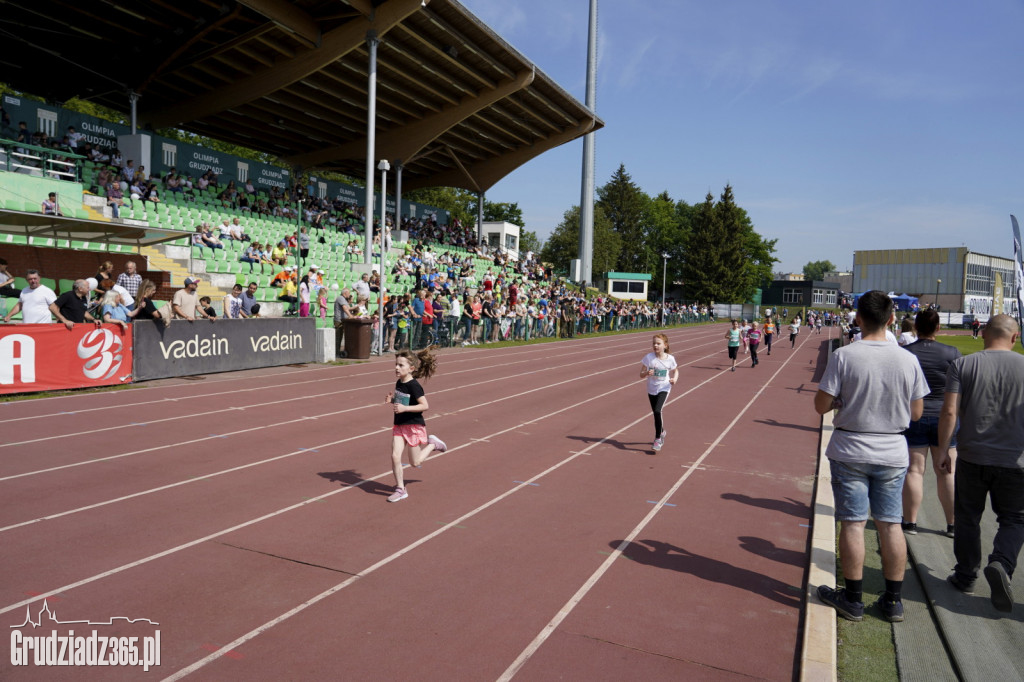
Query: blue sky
{"x": 841, "y": 126}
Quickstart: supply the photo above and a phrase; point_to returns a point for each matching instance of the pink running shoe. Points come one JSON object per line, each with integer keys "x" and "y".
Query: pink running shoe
{"x": 438, "y": 444}
{"x": 398, "y": 495}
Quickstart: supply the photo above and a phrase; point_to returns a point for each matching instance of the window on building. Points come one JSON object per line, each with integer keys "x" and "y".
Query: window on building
{"x": 636, "y": 287}
{"x": 620, "y": 287}
{"x": 46, "y": 122}
{"x": 511, "y": 242}
{"x": 792, "y": 296}
{"x": 831, "y": 296}
{"x": 170, "y": 153}
{"x": 817, "y": 296}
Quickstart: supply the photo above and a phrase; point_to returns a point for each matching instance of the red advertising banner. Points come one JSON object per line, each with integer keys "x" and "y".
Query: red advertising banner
{"x": 47, "y": 357}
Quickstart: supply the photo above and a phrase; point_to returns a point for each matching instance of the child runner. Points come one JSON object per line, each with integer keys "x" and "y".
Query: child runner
{"x": 734, "y": 343}
{"x": 794, "y": 329}
{"x": 744, "y": 328}
{"x": 769, "y": 333}
{"x": 409, "y": 403}
{"x": 753, "y": 341}
{"x": 661, "y": 372}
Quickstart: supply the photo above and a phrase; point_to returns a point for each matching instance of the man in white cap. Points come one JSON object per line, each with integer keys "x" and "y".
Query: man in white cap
{"x": 281, "y": 277}
{"x": 185, "y": 303}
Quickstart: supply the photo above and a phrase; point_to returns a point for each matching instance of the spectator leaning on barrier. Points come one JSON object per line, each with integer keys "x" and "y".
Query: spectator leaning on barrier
{"x": 249, "y": 298}
{"x": 147, "y": 310}
{"x": 34, "y": 301}
{"x": 114, "y": 310}
{"x": 72, "y": 307}
{"x": 876, "y": 388}
{"x": 986, "y": 391}
{"x": 130, "y": 279}
{"x": 50, "y": 205}
{"x": 185, "y": 303}
{"x": 232, "y": 304}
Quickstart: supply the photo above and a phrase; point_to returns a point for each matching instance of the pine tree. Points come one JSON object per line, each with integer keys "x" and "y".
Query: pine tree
{"x": 564, "y": 244}
{"x": 626, "y": 206}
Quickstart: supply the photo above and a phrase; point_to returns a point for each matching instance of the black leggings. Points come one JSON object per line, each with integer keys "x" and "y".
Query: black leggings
{"x": 657, "y": 402}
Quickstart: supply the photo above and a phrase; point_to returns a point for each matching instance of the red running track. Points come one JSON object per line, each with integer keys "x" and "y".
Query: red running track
{"x": 245, "y": 514}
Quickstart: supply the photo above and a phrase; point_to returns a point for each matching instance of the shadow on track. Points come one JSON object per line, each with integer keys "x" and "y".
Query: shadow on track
{"x": 668, "y": 556}
{"x": 349, "y": 477}
{"x": 787, "y": 506}
{"x": 644, "y": 447}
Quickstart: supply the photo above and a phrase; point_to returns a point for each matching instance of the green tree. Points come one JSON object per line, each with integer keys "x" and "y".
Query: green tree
{"x": 529, "y": 241}
{"x": 564, "y": 243}
{"x": 815, "y": 270}
{"x": 503, "y": 211}
{"x": 668, "y": 227}
{"x": 725, "y": 258}
{"x": 459, "y": 202}
{"x": 626, "y": 206}
{"x": 709, "y": 261}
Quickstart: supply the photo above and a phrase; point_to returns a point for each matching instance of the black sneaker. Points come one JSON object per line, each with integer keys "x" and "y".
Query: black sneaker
{"x": 909, "y": 528}
{"x": 850, "y": 610}
{"x": 1002, "y": 595}
{"x": 949, "y": 530}
{"x": 892, "y": 611}
{"x": 962, "y": 584}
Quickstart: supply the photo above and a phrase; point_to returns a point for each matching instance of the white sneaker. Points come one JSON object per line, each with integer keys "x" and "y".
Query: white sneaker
{"x": 398, "y": 495}
{"x": 439, "y": 445}
{"x": 657, "y": 444}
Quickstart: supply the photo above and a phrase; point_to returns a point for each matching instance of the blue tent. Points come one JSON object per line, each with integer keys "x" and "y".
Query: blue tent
{"x": 903, "y": 302}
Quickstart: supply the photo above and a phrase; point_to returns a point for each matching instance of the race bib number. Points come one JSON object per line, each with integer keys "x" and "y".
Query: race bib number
{"x": 661, "y": 373}
{"x": 401, "y": 398}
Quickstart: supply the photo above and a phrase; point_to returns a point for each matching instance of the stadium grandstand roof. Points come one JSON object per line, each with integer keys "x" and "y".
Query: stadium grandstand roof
{"x": 456, "y": 104}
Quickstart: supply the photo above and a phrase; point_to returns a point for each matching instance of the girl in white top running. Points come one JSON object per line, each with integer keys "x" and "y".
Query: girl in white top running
{"x": 661, "y": 372}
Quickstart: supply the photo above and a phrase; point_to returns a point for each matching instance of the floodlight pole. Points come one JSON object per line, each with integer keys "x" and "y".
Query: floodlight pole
{"x": 371, "y": 143}
{"x": 586, "y": 244}
{"x": 384, "y": 167}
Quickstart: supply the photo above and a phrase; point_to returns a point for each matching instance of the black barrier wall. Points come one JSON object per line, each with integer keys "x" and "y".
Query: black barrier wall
{"x": 201, "y": 347}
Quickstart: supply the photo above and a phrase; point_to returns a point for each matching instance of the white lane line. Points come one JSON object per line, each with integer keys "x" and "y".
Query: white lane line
{"x": 476, "y": 368}
{"x": 284, "y": 510}
{"x": 301, "y": 451}
{"x": 559, "y": 348}
{"x": 262, "y": 427}
{"x": 618, "y": 552}
{"x": 313, "y": 500}
{"x": 408, "y": 548}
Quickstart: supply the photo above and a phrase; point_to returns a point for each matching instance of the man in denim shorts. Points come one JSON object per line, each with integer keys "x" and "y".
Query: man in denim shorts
{"x": 876, "y": 388}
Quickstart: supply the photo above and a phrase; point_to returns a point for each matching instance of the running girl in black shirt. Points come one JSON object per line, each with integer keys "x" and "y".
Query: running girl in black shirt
{"x": 409, "y": 403}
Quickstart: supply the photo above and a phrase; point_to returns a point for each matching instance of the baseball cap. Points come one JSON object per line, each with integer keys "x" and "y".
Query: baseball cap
{"x": 288, "y": 268}
{"x": 313, "y": 267}
{"x": 191, "y": 280}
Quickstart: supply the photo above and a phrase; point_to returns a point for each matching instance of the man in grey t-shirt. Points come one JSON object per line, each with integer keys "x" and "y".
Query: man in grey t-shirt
{"x": 877, "y": 388}
{"x": 986, "y": 390}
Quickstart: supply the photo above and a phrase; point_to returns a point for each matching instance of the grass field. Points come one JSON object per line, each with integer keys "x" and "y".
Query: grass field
{"x": 968, "y": 344}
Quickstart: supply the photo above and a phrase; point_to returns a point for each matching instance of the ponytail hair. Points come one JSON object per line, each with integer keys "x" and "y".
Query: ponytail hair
{"x": 424, "y": 364}
{"x": 664, "y": 340}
